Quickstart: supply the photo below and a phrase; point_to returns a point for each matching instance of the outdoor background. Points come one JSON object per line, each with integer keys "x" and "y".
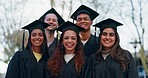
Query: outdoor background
{"x": 15, "y": 14}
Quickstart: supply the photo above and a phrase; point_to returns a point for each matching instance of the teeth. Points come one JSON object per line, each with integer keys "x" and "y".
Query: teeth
{"x": 37, "y": 41}
{"x": 82, "y": 25}
{"x": 69, "y": 44}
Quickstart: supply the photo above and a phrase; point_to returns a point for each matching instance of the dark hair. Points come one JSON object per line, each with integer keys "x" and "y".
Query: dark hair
{"x": 117, "y": 53}
{"x": 84, "y": 12}
{"x": 57, "y": 59}
{"x": 43, "y": 48}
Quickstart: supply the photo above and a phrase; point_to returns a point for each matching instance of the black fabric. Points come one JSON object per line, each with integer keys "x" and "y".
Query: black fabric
{"x": 69, "y": 71}
{"x": 24, "y": 65}
{"x": 52, "y": 47}
{"x": 110, "y": 68}
{"x": 37, "y": 24}
{"x": 108, "y": 23}
{"x": 70, "y": 26}
{"x": 91, "y": 46}
{"x": 53, "y": 11}
{"x": 84, "y": 10}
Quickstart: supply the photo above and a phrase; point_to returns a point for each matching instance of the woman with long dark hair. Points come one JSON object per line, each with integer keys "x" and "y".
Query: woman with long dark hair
{"x": 68, "y": 60}
{"x": 112, "y": 61}
{"x": 31, "y": 62}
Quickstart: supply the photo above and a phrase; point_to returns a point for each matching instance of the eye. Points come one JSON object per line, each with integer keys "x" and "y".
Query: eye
{"x": 111, "y": 34}
{"x": 73, "y": 38}
{"x": 104, "y": 34}
{"x": 33, "y": 34}
{"x": 54, "y": 20}
{"x": 79, "y": 19}
{"x": 65, "y": 38}
{"x": 40, "y": 34}
{"x": 85, "y": 18}
{"x": 48, "y": 19}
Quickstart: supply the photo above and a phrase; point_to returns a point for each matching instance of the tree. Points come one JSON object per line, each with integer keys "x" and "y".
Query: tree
{"x": 10, "y": 23}
{"x": 139, "y": 25}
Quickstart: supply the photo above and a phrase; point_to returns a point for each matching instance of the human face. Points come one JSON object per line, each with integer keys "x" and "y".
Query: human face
{"x": 84, "y": 21}
{"x": 52, "y": 20}
{"x": 69, "y": 41}
{"x": 37, "y": 38}
{"x": 108, "y": 38}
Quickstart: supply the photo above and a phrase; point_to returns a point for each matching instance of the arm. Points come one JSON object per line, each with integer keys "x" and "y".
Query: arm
{"x": 12, "y": 70}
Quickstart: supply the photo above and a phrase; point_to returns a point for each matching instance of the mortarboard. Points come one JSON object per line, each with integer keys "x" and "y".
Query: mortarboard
{"x": 36, "y": 25}
{"x": 52, "y": 10}
{"x": 86, "y": 10}
{"x": 69, "y": 26}
{"x": 108, "y": 23}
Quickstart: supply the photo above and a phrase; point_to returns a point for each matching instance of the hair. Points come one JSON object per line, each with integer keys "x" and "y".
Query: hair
{"x": 117, "y": 53}
{"x": 43, "y": 46}
{"x": 84, "y": 12}
{"x": 57, "y": 59}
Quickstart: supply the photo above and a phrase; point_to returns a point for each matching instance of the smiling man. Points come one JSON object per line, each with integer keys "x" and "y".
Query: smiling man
{"x": 84, "y": 17}
{"x": 55, "y": 20}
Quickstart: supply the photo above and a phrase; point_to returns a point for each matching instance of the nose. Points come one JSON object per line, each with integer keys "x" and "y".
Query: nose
{"x": 37, "y": 36}
{"x": 107, "y": 37}
{"x": 69, "y": 40}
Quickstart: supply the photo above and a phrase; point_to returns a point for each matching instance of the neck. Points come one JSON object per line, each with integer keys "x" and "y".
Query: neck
{"x": 85, "y": 35}
{"x": 49, "y": 35}
{"x": 69, "y": 52}
{"x": 36, "y": 49}
{"x": 106, "y": 51}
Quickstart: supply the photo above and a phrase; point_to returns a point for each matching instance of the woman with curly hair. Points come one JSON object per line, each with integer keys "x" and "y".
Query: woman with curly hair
{"x": 112, "y": 61}
{"x": 68, "y": 60}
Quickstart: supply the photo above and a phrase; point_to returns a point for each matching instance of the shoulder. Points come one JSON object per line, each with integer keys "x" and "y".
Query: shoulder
{"x": 129, "y": 55}
{"x": 22, "y": 54}
{"x": 93, "y": 56}
{"x": 17, "y": 54}
{"x": 93, "y": 37}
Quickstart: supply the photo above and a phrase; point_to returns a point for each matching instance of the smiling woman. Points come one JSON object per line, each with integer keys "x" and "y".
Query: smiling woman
{"x": 37, "y": 39}
{"x": 112, "y": 61}
{"x": 69, "y": 41}
{"x": 68, "y": 60}
{"x": 31, "y": 62}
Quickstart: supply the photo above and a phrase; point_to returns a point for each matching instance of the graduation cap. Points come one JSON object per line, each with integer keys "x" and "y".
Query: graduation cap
{"x": 86, "y": 10}
{"x": 36, "y": 25}
{"x": 53, "y": 11}
{"x": 70, "y": 26}
{"x": 108, "y": 23}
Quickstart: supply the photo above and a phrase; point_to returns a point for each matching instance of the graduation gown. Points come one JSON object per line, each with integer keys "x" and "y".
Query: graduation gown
{"x": 52, "y": 47}
{"x": 91, "y": 46}
{"x": 24, "y": 65}
{"x": 110, "y": 68}
{"x": 69, "y": 71}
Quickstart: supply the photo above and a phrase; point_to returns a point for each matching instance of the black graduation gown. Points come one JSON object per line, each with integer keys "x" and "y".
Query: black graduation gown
{"x": 69, "y": 71}
{"x": 109, "y": 68}
{"x": 52, "y": 47}
{"x": 91, "y": 46}
{"x": 24, "y": 65}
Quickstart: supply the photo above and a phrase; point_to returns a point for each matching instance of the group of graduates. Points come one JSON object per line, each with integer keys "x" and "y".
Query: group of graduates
{"x": 77, "y": 53}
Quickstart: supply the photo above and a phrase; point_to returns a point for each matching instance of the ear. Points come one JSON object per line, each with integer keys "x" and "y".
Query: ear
{"x": 91, "y": 22}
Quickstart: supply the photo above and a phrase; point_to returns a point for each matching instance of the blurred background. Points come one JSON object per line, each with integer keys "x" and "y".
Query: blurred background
{"x": 15, "y": 14}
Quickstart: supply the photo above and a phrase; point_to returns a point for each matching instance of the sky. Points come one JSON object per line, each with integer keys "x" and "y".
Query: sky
{"x": 127, "y": 32}
{"x": 36, "y": 8}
